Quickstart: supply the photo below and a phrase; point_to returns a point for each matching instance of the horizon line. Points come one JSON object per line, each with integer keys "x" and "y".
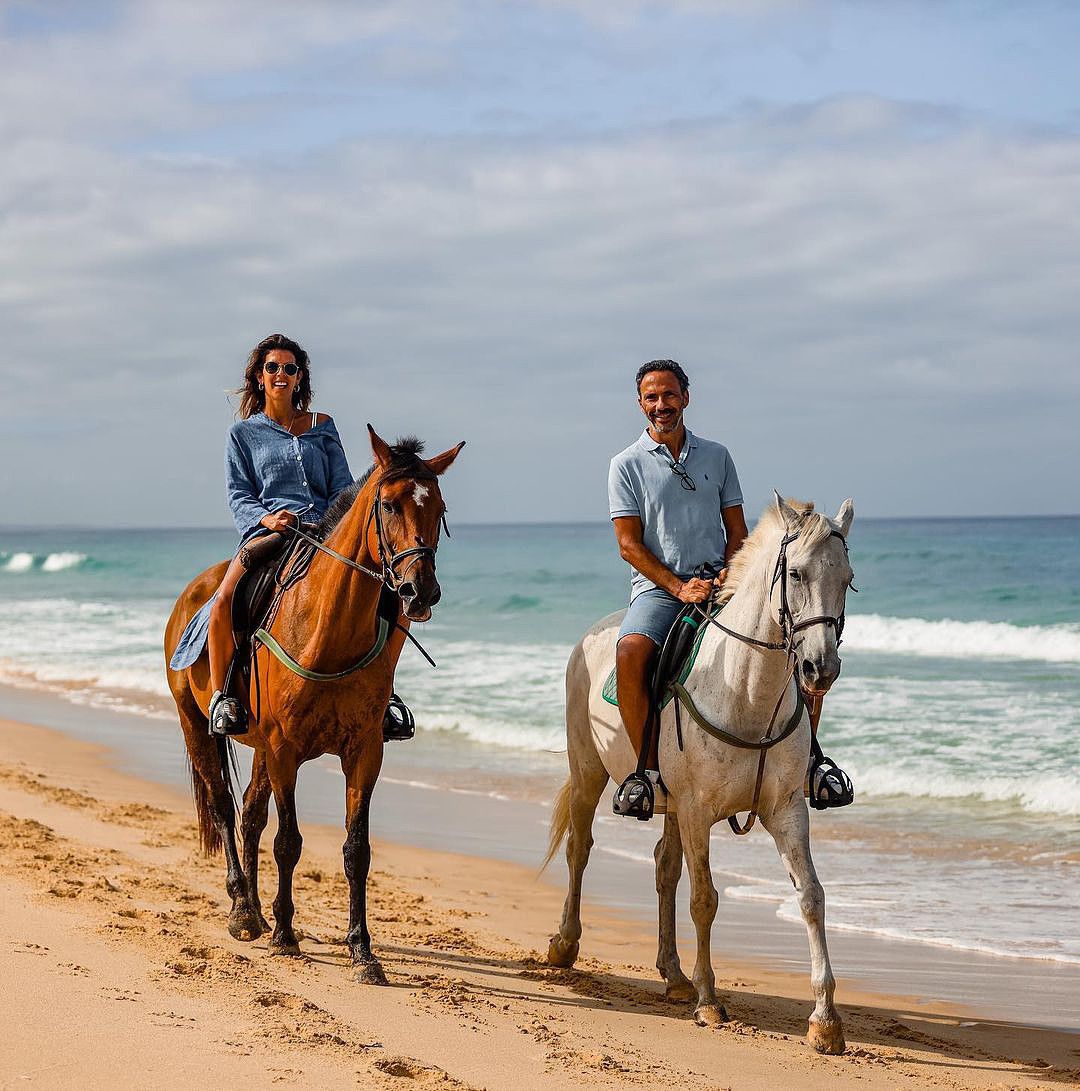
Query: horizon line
{"x": 526, "y": 522}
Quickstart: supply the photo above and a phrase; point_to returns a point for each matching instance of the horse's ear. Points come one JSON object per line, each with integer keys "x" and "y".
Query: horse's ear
{"x": 845, "y": 516}
{"x": 380, "y": 448}
{"x": 787, "y": 512}
{"x": 441, "y": 463}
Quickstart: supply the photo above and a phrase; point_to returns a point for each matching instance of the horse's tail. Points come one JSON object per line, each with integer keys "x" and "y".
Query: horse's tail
{"x": 560, "y": 823}
{"x": 209, "y": 834}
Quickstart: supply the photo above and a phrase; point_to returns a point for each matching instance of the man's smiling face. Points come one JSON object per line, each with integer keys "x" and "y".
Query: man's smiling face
{"x": 662, "y": 401}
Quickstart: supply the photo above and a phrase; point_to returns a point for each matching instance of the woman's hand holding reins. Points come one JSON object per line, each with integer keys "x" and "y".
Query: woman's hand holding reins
{"x": 279, "y": 521}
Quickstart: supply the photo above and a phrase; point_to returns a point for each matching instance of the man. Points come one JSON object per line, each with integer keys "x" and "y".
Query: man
{"x": 676, "y": 504}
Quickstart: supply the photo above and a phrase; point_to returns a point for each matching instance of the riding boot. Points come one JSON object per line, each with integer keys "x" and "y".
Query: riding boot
{"x": 227, "y": 715}
{"x": 636, "y": 796}
{"x": 827, "y": 784}
{"x": 398, "y": 724}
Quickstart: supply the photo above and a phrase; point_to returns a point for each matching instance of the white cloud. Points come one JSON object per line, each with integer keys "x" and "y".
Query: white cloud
{"x": 847, "y": 281}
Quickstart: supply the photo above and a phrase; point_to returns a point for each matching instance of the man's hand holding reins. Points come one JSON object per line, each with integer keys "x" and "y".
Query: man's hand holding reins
{"x": 695, "y": 590}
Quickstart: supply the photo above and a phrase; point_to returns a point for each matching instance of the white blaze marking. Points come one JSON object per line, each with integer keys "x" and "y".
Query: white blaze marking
{"x": 419, "y": 494}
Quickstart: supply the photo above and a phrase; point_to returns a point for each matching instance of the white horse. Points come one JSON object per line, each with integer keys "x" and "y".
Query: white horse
{"x": 785, "y": 590}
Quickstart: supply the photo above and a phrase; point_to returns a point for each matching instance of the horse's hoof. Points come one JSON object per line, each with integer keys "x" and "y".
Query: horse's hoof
{"x": 680, "y": 991}
{"x": 369, "y": 972}
{"x": 561, "y": 953}
{"x": 246, "y": 926}
{"x": 711, "y": 1015}
{"x": 264, "y": 923}
{"x": 285, "y": 948}
{"x": 826, "y": 1037}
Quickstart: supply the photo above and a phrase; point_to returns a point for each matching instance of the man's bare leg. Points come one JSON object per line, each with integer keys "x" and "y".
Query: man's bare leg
{"x": 633, "y": 657}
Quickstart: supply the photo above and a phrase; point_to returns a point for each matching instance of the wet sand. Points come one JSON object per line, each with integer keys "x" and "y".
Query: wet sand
{"x": 117, "y": 967}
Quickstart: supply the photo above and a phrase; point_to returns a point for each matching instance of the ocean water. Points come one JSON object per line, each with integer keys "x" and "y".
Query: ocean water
{"x": 957, "y": 713}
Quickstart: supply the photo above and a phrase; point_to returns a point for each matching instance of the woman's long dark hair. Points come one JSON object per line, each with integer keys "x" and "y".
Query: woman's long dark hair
{"x": 252, "y": 399}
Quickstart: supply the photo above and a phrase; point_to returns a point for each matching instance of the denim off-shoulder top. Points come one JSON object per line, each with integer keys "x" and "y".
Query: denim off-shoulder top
{"x": 268, "y": 469}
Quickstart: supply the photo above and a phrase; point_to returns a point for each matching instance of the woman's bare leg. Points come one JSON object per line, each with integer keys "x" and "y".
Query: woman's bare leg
{"x": 220, "y": 643}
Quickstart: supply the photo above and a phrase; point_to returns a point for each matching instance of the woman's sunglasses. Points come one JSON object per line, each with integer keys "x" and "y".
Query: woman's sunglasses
{"x": 271, "y": 368}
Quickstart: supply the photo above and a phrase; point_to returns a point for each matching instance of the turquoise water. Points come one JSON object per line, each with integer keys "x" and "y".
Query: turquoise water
{"x": 957, "y": 713}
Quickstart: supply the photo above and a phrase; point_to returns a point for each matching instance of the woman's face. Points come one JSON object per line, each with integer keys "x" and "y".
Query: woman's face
{"x": 279, "y": 387}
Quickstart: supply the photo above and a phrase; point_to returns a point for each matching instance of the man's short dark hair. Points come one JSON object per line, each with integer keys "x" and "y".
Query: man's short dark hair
{"x": 663, "y": 365}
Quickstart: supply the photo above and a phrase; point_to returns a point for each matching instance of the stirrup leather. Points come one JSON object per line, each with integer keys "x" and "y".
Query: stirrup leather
{"x": 227, "y": 715}
{"x": 398, "y": 724}
{"x": 830, "y": 786}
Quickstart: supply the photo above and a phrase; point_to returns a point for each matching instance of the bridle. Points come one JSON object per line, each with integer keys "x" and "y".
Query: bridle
{"x": 390, "y": 560}
{"x": 789, "y": 627}
{"x": 391, "y": 580}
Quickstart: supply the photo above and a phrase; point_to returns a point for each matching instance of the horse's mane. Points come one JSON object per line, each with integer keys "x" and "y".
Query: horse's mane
{"x": 813, "y": 528}
{"x": 405, "y": 461}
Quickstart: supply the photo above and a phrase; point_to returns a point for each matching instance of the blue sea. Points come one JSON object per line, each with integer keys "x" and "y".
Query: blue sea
{"x": 957, "y": 712}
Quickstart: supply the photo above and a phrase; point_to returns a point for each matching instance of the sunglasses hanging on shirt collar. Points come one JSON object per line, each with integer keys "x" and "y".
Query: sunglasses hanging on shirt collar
{"x": 685, "y": 479}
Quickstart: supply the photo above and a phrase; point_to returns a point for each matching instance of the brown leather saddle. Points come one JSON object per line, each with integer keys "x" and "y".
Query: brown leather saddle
{"x": 275, "y": 561}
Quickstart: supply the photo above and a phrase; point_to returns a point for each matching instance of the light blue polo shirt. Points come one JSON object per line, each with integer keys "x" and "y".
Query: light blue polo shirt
{"x": 682, "y": 528}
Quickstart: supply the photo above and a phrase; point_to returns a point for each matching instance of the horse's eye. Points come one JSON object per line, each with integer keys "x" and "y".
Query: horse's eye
{"x": 794, "y": 574}
{"x": 388, "y": 507}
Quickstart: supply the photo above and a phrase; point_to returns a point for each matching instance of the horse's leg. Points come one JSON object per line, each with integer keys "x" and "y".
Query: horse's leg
{"x": 703, "y": 900}
{"x": 361, "y": 768}
{"x": 287, "y": 847}
{"x": 668, "y": 856}
{"x": 790, "y": 829}
{"x": 252, "y": 824}
{"x": 587, "y": 779}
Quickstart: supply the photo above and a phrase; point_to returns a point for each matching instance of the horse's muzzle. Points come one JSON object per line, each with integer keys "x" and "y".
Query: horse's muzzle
{"x": 817, "y": 677}
{"x": 417, "y": 600}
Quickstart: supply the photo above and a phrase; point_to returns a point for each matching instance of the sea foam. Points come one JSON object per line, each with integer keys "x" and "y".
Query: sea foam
{"x": 49, "y": 562}
{"x": 963, "y": 639}
{"x": 1036, "y": 794}
{"x": 57, "y": 562}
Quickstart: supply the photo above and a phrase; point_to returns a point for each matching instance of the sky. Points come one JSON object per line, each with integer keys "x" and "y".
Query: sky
{"x": 856, "y": 225}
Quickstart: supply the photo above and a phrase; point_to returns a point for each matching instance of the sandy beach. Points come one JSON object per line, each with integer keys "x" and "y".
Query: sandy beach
{"x": 120, "y": 969}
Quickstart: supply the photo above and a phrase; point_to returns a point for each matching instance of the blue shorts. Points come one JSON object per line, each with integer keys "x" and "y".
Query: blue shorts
{"x": 652, "y": 614}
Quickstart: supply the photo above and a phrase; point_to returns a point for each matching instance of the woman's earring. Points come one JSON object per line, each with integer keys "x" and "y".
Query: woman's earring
{"x": 261, "y": 387}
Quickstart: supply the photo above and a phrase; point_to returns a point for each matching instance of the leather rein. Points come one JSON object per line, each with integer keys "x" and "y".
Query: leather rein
{"x": 789, "y": 629}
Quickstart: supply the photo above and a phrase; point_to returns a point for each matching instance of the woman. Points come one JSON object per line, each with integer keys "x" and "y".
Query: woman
{"x": 283, "y": 465}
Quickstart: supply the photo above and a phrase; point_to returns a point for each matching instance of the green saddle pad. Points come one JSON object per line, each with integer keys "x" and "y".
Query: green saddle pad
{"x": 610, "y": 692}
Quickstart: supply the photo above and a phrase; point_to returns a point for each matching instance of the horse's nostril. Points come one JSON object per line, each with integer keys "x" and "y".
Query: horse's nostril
{"x": 808, "y": 669}
{"x": 436, "y": 595}
{"x": 407, "y": 590}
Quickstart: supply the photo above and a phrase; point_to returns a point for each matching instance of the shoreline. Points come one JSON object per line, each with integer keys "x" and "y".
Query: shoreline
{"x": 491, "y": 826}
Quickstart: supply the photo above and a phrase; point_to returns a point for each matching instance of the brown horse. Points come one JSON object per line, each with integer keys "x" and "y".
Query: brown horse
{"x": 385, "y": 526}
